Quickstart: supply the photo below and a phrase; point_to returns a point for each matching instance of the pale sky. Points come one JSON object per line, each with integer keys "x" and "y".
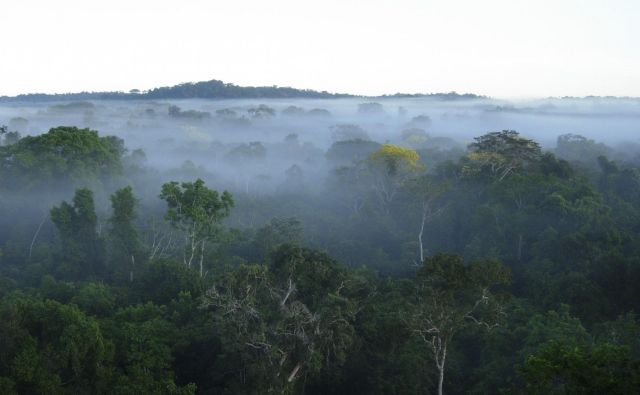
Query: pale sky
{"x": 501, "y": 48}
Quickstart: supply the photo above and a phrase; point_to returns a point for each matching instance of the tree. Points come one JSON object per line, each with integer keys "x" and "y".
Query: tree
{"x": 603, "y": 369}
{"x": 414, "y": 137}
{"x": 391, "y": 166}
{"x": 502, "y": 153}
{"x": 450, "y": 297}
{"x": 8, "y": 137}
{"x": 252, "y": 152}
{"x": 163, "y": 280}
{"x": 370, "y": 108}
{"x": 351, "y": 185}
{"x": 123, "y": 234}
{"x": 294, "y": 180}
{"x": 176, "y": 112}
{"x": 276, "y": 232}
{"x": 19, "y": 124}
{"x": 427, "y": 191}
{"x": 348, "y": 131}
{"x": 63, "y": 155}
{"x": 577, "y": 148}
{"x": 81, "y": 249}
{"x": 196, "y": 210}
{"x": 262, "y": 111}
{"x": 348, "y": 151}
{"x": 50, "y": 348}
{"x": 142, "y": 351}
{"x": 287, "y": 319}
{"x": 293, "y": 111}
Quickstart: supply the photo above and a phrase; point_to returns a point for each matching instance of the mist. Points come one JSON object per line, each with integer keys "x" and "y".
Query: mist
{"x": 288, "y": 150}
{"x": 206, "y": 132}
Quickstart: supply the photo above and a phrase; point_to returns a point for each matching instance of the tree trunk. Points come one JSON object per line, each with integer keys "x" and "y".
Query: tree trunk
{"x": 441, "y": 369}
{"x": 292, "y": 376}
{"x": 133, "y": 262}
{"x": 424, "y": 218}
{"x": 194, "y": 246}
{"x": 202, "y": 259}
{"x": 35, "y": 236}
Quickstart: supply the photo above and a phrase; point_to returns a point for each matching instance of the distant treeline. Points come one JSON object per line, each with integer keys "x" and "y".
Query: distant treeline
{"x": 214, "y": 89}
{"x": 440, "y": 96}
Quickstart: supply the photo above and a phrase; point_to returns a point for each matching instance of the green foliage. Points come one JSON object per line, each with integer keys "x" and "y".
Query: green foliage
{"x": 287, "y": 320}
{"x": 577, "y": 148}
{"x": 194, "y": 207}
{"x": 66, "y": 155}
{"x": 562, "y": 369}
{"x": 276, "y": 232}
{"x": 501, "y": 153}
{"x": 196, "y": 210}
{"x": 81, "y": 252}
{"x": 142, "y": 341}
{"x": 161, "y": 281}
{"x": 48, "y": 345}
{"x": 452, "y": 297}
{"x": 95, "y": 299}
{"x": 220, "y": 90}
{"x": 123, "y": 236}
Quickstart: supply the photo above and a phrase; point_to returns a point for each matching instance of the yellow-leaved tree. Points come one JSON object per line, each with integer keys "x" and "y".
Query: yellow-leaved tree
{"x": 391, "y": 165}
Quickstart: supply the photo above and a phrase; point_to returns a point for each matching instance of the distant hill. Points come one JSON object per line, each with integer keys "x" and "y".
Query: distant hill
{"x": 214, "y": 89}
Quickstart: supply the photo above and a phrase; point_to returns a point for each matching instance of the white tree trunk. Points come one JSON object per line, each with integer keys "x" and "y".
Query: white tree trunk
{"x": 293, "y": 374}
{"x": 35, "y": 236}
{"x": 441, "y": 368}
{"x": 420, "y": 245}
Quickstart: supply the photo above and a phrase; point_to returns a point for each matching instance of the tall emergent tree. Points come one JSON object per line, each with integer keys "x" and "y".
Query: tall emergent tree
{"x": 196, "y": 210}
{"x": 81, "y": 250}
{"x": 450, "y": 297}
{"x": 502, "y": 153}
{"x": 391, "y": 166}
{"x": 123, "y": 235}
{"x": 427, "y": 191}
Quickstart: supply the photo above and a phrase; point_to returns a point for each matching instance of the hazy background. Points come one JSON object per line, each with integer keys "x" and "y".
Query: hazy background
{"x": 207, "y": 137}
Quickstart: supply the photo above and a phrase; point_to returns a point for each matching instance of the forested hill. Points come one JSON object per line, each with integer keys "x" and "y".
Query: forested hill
{"x": 213, "y": 89}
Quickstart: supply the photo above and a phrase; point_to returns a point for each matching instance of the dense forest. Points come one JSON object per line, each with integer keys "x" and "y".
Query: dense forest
{"x": 413, "y": 263}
